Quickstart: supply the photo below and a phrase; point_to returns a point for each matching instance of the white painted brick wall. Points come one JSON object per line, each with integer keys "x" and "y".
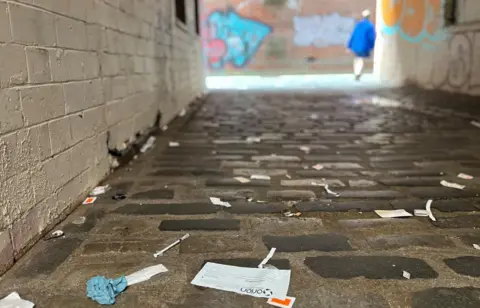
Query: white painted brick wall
{"x": 72, "y": 71}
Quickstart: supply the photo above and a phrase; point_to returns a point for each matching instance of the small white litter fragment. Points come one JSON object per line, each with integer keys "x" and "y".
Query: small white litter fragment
{"x": 314, "y": 116}
{"x": 241, "y": 179}
{"x": 305, "y": 149}
{"x": 476, "y": 246}
{"x": 392, "y": 213}
{"x": 429, "y": 210}
{"x": 267, "y": 258}
{"x": 317, "y": 184}
{"x": 145, "y": 274}
{"x": 79, "y": 220}
{"x": 475, "y": 123}
{"x": 288, "y": 176}
{"x": 260, "y": 177}
{"x": 406, "y": 274}
{"x": 465, "y": 176}
{"x": 254, "y": 140}
{"x": 256, "y": 282}
{"x": 148, "y": 145}
{"x": 100, "y": 190}
{"x": 161, "y": 252}
{"x": 420, "y": 213}
{"x": 317, "y": 167}
{"x": 452, "y": 185}
{"x": 331, "y": 192}
{"x": 164, "y": 128}
{"x": 282, "y": 303}
{"x": 13, "y": 300}
{"x": 173, "y": 144}
{"x": 219, "y": 202}
{"x": 182, "y": 113}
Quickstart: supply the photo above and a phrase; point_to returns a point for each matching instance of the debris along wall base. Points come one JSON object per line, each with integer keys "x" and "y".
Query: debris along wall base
{"x": 76, "y": 82}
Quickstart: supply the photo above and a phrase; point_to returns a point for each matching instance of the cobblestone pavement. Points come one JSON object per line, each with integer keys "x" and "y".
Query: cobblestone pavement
{"x": 376, "y": 153}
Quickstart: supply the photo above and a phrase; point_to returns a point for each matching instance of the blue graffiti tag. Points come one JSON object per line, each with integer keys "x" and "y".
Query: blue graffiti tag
{"x": 241, "y": 36}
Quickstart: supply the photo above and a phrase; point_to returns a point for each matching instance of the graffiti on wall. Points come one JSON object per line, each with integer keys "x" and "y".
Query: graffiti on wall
{"x": 322, "y": 30}
{"x": 416, "y": 21}
{"x": 233, "y": 39}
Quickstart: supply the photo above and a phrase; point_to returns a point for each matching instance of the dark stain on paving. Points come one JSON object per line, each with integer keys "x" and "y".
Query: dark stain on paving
{"x": 413, "y": 182}
{"x": 162, "y": 209}
{"x": 255, "y": 208}
{"x": 318, "y": 242}
{"x": 464, "y": 221}
{"x": 441, "y": 192}
{"x": 154, "y": 194}
{"x": 399, "y": 241}
{"x": 342, "y": 206}
{"x": 370, "y": 267}
{"x": 91, "y": 220}
{"x": 51, "y": 254}
{"x": 253, "y": 263}
{"x": 467, "y": 265}
{"x": 453, "y": 205}
{"x": 200, "y": 224}
{"x": 447, "y": 298}
{"x": 374, "y": 194}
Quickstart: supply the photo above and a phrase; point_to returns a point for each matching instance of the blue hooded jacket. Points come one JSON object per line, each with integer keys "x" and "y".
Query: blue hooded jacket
{"x": 362, "y": 40}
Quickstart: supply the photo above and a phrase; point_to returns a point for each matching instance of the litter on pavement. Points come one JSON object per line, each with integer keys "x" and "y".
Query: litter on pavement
{"x": 267, "y": 258}
{"x": 420, "y": 213}
{"x": 119, "y": 196}
{"x": 282, "y": 303}
{"x": 145, "y": 274}
{"x": 182, "y": 113}
{"x": 242, "y": 180}
{"x": 452, "y": 185}
{"x": 305, "y": 149}
{"x": 317, "y": 167}
{"x": 474, "y": 123}
{"x": 148, "y": 145}
{"x": 392, "y": 213}
{"x": 476, "y": 246}
{"x": 465, "y": 176}
{"x": 13, "y": 300}
{"x": 260, "y": 177}
{"x": 217, "y": 201}
{"x": 256, "y": 282}
{"x": 429, "y": 210}
{"x": 89, "y": 200}
{"x": 288, "y": 176}
{"x": 406, "y": 274}
{"x": 173, "y": 144}
{"x": 161, "y": 252}
{"x": 79, "y": 220}
{"x": 289, "y": 213}
{"x": 164, "y": 128}
{"x": 331, "y": 192}
{"x": 100, "y": 190}
{"x": 254, "y": 139}
{"x": 53, "y": 235}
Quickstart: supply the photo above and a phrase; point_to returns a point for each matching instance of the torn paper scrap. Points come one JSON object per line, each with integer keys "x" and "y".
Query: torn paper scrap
{"x": 318, "y": 167}
{"x": 452, "y": 185}
{"x": 288, "y": 176}
{"x": 282, "y": 303}
{"x": 148, "y": 145}
{"x": 267, "y": 258}
{"x": 476, "y": 246}
{"x": 173, "y": 144}
{"x": 406, "y": 274}
{"x": 217, "y": 201}
{"x": 260, "y": 177}
{"x": 182, "y": 113}
{"x": 420, "y": 213}
{"x": 89, "y": 200}
{"x": 305, "y": 149}
{"x": 256, "y": 282}
{"x": 475, "y": 123}
{"x": 392, "y": 213}
{"x": 428, "y": 208}
{"x": 100, "y": 190}
{"x": 241, "y": 179}
{"x": 145, "y": 274}
{"x": 13, "y": 300}
{"x": 331, "y": 192}
{"x": 465, "y": 176}
{"x": 254, "y": 139}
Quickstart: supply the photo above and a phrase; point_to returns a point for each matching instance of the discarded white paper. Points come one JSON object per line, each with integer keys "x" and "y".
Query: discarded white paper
{"x": 476, "y": 246}
{"x": 260, "y": 177}
{"x": 100, "y": 190}
{"x": 318, "y": 167}
{"x": 452, "y": 185}
{"x": 145, "y": 274}
{"x": 148, "y": 145}
{"x": 420, "y": 213}
{"x": 173, "y": 144}
{"x": 161, "y": 252}
{"x": 182, "y": 113}
{"x": 254, "y": 139}
{"x": 267, "y": 258}
{"x": 282, "y": 303}
{"x": 474, "y": 123}
{"x": 305, "y": 149}
{"x": 406, "y": 274}
{"x": 241, "y": 179}
{"x": 314, "y": 116}
{"x": 217, "y": 201}
{"x": 465, "y": 176}
{"x": 256, "y": 282}
{"x": 13, "y": 300}
{"x": 331, "y": 192}
{"x": 392, "y": 213}
{"x": 429, "y": 210}
{"x": 288, "y": 176}
{"x": 164, "y": 128}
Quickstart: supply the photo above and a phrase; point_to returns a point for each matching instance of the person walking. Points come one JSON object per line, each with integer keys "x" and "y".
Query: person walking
{"x": 361, "y": 43}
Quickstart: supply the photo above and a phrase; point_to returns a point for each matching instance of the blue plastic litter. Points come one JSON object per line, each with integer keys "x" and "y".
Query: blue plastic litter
{"x": 104, "y": 290}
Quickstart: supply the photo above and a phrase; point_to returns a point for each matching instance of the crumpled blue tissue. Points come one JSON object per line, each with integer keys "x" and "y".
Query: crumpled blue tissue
{"x": 104, "y": 290}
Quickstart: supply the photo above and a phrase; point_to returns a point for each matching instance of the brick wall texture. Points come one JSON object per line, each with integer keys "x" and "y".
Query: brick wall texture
{"x": 73, "y": 72}
{"x": 279, "y": 36}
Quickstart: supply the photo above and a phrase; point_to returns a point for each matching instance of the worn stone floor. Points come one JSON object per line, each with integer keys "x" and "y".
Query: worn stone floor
{"x": 377, "y": 153}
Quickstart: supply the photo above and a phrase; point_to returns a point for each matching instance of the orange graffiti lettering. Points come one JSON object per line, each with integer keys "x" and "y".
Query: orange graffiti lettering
{"x": 391, "y": 12}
